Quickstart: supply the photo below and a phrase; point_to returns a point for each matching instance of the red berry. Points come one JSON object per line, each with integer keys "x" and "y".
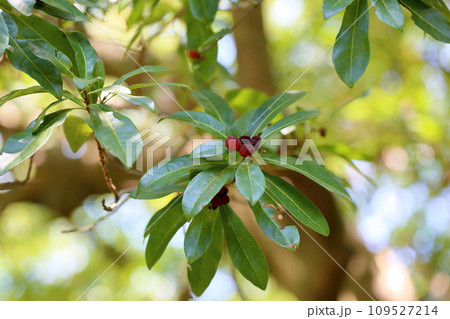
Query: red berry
{"x": 244, "y": 138}
{"x": 255, "y": 140}
{"x": 233, "y": 143}
{"x": 194, "y": 55}
{"x": 219, "y": 201}
{"x": 246, "y": 150}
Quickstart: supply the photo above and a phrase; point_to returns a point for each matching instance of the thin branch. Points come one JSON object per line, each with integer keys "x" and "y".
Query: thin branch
{"x": 108, "y": 179}
{"x": 16, "y": 184}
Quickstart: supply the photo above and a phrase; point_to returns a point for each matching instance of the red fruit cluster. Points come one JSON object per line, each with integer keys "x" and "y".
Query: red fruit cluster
{"x": 194, "y": 55}
{"x": 246, "y": 145}
{"x": 221, "y": 198}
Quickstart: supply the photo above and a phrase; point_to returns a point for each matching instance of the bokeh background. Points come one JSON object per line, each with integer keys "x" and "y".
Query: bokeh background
{"x": 388, "y": 137}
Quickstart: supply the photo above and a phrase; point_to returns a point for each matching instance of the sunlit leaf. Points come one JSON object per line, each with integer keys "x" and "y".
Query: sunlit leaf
{"x": 76, "y": 131}
{"x": 250, "y": 181}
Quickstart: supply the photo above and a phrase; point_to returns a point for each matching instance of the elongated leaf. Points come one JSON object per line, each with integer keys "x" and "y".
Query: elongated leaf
{"x": 250, "y": 181}
{"x": 242, "y": 123}
{"x": 297, "y": 204}
{"x": 214, "y": 38}
{"x": 158, "y": 192}
{"x": 264, "y": 210}
{"x": 44, "y": 51}
{"x": 244, "y": 251}
{"x": 203, "y": 187}
{"x": 429, "y": 20}
{"x": 82, "y": 83}
{"x": 21, "y": 92}
{"x": 390, "y": 12}
{"x": 270, "y": 109}
{"x": 213, "y": 148}
{"x": 173, "y": 170}
{"x": 315, "y": 172}
{"x": 144, "y": 85}
{"x": 331, "y": 7}
{"x": 3, "y": 35}
{"x": 85, "y": 55}
{"x": 201, "y": 120}
{"x": 202, "y": 271}
{"x": 159, "y": 213}
{"x": 61, "y": 9}
{"x": 143, "y": 101}
{"x": 10, "y": 24}
{"x": 42, "y": 71}
{"x": 215, "y": 105}
{"x": 116, "y": 133}
{"x": 76, "y": 131}
{"x": 199, "y": 234}
{"x": 143, "y": 69}
{"x": 292, "y": 119}
{"x": 351, "y": 52}
{"x": 161, "y": 232}
{"x": 21, "y": 146}
{"x": 204, "y": 10}
{"x": 23, "y": 6}
{"x": 440, "y": 6}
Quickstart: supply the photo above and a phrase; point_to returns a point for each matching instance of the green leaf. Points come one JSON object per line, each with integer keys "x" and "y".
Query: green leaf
{"x": 244, "y": 251}
{"x": 61, "y": 9}
{"x": 23, "y": 6}
{"x": 143, "y": 101}
{"x": 242, "y": 123}
{"x": 202, "y": 271}
{"x": 211, "y": 148}
{"x": 3, "y": 35}
{"x": 250, "y": 181}
{"x": 161, "y": 231}
{"x": 270, "y": 109}
{"x": 82, "y": 83}
{"x": 390, "y": 12}
{"x": 440, "y": 6}
{"x": 163, "y": 173}
{"x": 144, "y": 85}
{"x": 292, "y": 119}
{"x": 158, "y": 214}
{"x": 331, "y": 7}
{"x": 285, "y": 236}
{"x": 42, "y": 71}
{"x": 158, "y": 192}
{"x": 199, "y": 234}
{"x": 76, "y": 131}
{"x": 85, "y": 55}
{"x": 10, "y": 24}
{"x": 21, "y": 146}
{"x": 201, "y": 120}
{"x": 115, "y": 132}
{"x": 204, "y": 10}
{"x": 317, "y": 173}
{"x": 215, "y": 105}
{"x": 203, "y": 187}
{"x": 143, "y": 69}
{"x": 43, "y": 50}
{"x": 429, "y": 20}
{"x": 351, "y": 51}
{"x": 21, "y": 92}
{"x": 214, "y": 38}
{"x": 297, "y": 204}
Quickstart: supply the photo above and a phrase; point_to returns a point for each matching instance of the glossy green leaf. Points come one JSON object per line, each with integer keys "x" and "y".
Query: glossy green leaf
{"x": 76, "y": 131}
{"x": 115, "y": 131}
{"x": 85, "y": 55}
{"x": 161, "y": 231}
{"x": 164, "y": 173}
{"x": 21, "y": 146}
{"x": 21, "y": 92}
{"x": 214, "y": 38}
{"x": 213, "y": 148}
{"x": 61, "y": 9}
{"x": 143, "y": 101}
{"x": 143, "y": 69}
{"x": 42, "y": 71}
{"x": 81, "y": 83}
{"x": 4, "y": 37}
{"x": 201, "y": 120}
{"x": 300, "y": 207}
{"x": 199, "y": 234}
{"x": 242, "y": 123}
{"x": 250, "y": 181}
{"x": 158, "y": 192}
{"x": 10, "y": 24}
{"x": 23, "y": 6}
{"x": 159, "y": 213}
{"x": 390, "y": 12}
{"x": 244, "y": 251}
{"x": 331, "y": 7}
{"x": 285, "y": 236}
{"x": 203, "y": 187}
{"x": 292, "y": 119}
{"x": 145, "y": 85}
{"x": 270, "y": 109}
{"x": 204, "y": 10}
{"x": 202, "y": 271}
{"x": 313, "y": 171}
{"x": 429, "y": 20}
{"x": 215, "y": 105}
{"x": 43, "y": 50}
{"x": 440, "y": 6}
{"x": 351, "y": 51}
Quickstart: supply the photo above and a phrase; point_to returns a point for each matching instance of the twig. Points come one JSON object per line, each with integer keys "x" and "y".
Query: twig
{"x": 108, "y": 179}
{"x": 15, "y": 184}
